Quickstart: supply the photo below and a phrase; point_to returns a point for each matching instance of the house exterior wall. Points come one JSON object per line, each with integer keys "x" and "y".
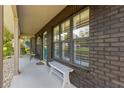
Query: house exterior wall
{"x": 106, "y": 46}
{"x": 106, "y": 52}
{"x": 50, "y": 47}
{"x": 106, "y": 49}
{"x": 38, "y": 47}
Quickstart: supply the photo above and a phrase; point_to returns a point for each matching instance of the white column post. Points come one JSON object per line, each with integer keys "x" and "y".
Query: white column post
{"x": 16, "y": 46}
{"x": 1, "y": 47}
{"x": 19, "y": 48}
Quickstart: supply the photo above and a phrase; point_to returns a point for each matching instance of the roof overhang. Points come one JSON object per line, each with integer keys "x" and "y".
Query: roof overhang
{"x": 32, "y": 18}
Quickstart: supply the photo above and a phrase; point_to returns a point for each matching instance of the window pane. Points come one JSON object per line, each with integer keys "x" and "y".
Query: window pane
{"x": 76, "y": 21}
{"x": 81, "y": 52}
{"x": 56, "y": 50}
{"x": 65, "y": 30}
{"x": 81, "y": 19}
{"x": 56, "y": 33}
{"x": 84, "y": 16}
{"x": 81, "y": 32}
{"x": 65, "y": 51}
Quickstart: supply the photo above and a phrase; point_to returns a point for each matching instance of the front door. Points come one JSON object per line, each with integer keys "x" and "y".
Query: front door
{"x": 45, "y": 46}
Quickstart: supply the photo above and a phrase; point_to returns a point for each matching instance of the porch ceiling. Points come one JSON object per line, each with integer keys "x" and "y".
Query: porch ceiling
{"x": 33, "y": 17}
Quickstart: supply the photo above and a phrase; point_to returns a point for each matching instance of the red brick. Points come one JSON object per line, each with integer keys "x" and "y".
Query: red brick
{"x": 121, "y": 29}
{"x": 118, "y": 73}
{"x": 118, "y": 83}
{"x": 122, "y": 69}
{"x": 99, "y": 72}
{"x": 112, "y": 67}
{"x": 119, "y": 34}
{"x": 122, "y": 59}
{"x": 111, "y": 40}
{"x": 111, "y": 57}
{"x": 117, "y": 63}
{"x": 111, "y": 75}
{"x": 111, "y": 49}
{"x": 122, "y": 79}
{"x": 117, "y": 44}
{"x": 103, "y": 44}
{"x": 104, "y": 77}
{"x": 121, "y": 38}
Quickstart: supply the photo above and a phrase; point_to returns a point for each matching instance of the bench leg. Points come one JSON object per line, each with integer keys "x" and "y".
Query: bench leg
{"x": 68, "y": 80}
{"x": 64, "y": 82}
{"x": 51, "y": 70}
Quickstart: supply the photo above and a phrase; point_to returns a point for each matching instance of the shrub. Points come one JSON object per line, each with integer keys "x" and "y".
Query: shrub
{"x": 7, "y": 43}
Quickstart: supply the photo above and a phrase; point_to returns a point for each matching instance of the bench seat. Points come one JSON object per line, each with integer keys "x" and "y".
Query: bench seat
{"x": 63, "y": 71}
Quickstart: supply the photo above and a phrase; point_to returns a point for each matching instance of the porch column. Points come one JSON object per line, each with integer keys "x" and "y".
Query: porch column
{"x": 19, "y": 46}
{"x": 16, "y": 46}
{"x": 1, "y": 48}
{"x": 33, "y": 44}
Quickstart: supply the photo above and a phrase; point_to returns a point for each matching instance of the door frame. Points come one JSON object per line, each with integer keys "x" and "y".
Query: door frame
{"x": 45, "y": 33}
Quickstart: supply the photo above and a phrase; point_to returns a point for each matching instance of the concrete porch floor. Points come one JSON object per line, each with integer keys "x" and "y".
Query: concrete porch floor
{"x": 35, "y": 76}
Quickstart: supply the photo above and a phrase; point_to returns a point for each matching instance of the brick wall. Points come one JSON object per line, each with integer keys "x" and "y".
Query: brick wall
{"x": 38, "y": 48}
{"x": 106, "y": 49}
{"x": 107, "y": 35}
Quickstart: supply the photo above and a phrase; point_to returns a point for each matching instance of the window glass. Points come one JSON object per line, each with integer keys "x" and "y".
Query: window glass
{"x": 81, "y": 52}
{"x": 56, "y": 50}
{"x": 65, "y": 51}
{"x": 76, "y": 21}
{"x": 65, "y": 27}
{"x": 56, "y": 33}
{"x": 56, "y": 42}
{"x": 81, "y": 32}
{"x": 84, "y": 16}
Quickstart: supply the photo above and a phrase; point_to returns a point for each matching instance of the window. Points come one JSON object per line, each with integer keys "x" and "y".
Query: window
{"x": 65, "y": 37}
{"x": 56, "y": 50}
{"x": 72, "y": 40}
{"x": 56, "y": 42}
{"x": 80, "y": 38}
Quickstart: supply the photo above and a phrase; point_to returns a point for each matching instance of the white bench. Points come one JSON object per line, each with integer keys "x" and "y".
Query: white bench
{"x": 60, "y": 70}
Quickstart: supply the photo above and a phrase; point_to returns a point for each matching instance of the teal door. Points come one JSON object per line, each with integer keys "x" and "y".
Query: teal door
{"x": 45, "y": 46}
{"x": 45, "y": 53}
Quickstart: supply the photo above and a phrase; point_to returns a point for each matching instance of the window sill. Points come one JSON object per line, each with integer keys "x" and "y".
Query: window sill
{"x": 72, "y": 65}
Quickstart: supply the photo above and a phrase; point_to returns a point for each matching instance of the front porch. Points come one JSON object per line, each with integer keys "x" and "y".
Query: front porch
{"x": 88, "y": 39}
{"x": 35, "y": 76}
